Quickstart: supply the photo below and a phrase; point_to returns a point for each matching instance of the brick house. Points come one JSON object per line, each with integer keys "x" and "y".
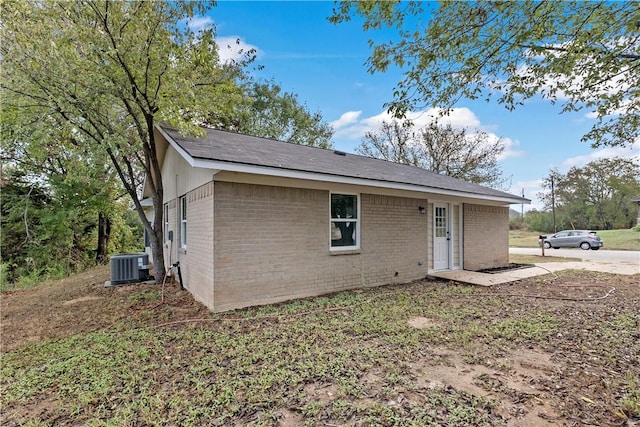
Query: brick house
{"x": 255, "y": 221}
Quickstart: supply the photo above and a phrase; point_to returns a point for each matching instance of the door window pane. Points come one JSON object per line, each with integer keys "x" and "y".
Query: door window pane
{"x": 440, "y": 219}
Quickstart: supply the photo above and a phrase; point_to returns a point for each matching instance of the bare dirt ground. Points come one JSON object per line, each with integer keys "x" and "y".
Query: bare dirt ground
{"x": 565, "y": 381}
{"x": 81, "y": 303}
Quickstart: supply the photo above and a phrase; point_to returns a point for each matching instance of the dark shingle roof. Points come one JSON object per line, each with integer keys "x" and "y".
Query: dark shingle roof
{"x": 235, "y": 148}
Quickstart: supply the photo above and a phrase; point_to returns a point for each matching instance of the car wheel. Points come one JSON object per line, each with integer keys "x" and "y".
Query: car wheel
{"x": 585, "y": 246}
{"x": 547, "y": 245}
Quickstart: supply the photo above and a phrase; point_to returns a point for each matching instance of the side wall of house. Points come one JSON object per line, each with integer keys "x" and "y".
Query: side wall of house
{"x": 272, "y": 244}
{"x": 486, "y": 236}
{"x": 196, "y": 259}
{"x": 394, "y": 239}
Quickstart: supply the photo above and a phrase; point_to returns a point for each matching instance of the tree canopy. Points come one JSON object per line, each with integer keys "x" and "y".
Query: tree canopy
{"x": 459, "y": 153}
{"x": 88, "y": 81}
{"x": 61, "y": 202}
{"x": 598, "y": 195}
{"x": 106, "y": 72}
{"x": 270, "y": 112}
{"x": 584, "y": 55}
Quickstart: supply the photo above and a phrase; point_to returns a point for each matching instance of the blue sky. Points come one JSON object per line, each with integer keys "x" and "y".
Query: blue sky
{"x": 324, "y": 64}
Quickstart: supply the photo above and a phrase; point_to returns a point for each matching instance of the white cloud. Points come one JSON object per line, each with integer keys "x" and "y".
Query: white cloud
{"x": 346, "y": 119}
{"x": 352, "y": 126}
{"x": 510, "y": 146}
{"x": 627, "y": 107}
{"x": 580, "y": 84}
{"x": 632, "y": 152}
{"x": 457, "y": 118}
{"x": 532, "y": 188}
{"x": 233, "y": 48}
{"x": 199, "y": 23}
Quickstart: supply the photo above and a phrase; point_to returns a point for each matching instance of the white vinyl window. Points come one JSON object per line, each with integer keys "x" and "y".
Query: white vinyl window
{"x": 183, "y": 221}
{"x": 345, "y": 222}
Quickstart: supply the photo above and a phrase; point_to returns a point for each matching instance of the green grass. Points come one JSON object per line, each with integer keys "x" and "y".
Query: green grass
{"x": 613, "y": 239}
{"x": 523, "y": 239}
{"x": 246, "y": 367}
{"x": 620, "y": 239}
{"x": 224, "y": 371}
{"x": 220, "y": 371}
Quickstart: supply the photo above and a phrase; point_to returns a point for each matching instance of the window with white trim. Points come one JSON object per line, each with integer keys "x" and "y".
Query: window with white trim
{"x": 183, "y": 221}
{"x": 345, "y": 222}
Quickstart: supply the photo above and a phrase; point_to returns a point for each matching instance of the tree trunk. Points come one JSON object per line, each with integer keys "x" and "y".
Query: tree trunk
{"x": 104, "y": 232}
{"x": 156, "y": 236}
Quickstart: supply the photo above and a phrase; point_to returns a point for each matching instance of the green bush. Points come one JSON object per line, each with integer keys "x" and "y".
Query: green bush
{"x": 516, "y": 223}
{"x": 539, "y": 221}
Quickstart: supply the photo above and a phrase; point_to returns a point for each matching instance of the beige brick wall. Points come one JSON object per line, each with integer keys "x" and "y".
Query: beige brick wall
{"x": 486, "y": 236}
{"x": 394, "y": 239}
{"x": 455, "y": 235}
{"x": 196, "y": 262}
{"x": 272, "y": 244}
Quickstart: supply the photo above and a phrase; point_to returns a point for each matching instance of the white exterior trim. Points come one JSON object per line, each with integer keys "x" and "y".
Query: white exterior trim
{"x": 448, "y": 233}
{"x": 460, "y": 236}
{"x": 217, "y": 166}
{"x": 358, "y": 221}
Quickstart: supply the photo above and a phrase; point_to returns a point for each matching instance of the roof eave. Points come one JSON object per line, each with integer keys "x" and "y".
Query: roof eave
{"x": 340, "y": 179}
{"x": 323, "y": 177}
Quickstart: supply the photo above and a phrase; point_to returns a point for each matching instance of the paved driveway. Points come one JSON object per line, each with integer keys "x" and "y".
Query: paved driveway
{"x": 624, "y": 262}
{"x": 602, "y": 255}
{"x": 615, "y": 262}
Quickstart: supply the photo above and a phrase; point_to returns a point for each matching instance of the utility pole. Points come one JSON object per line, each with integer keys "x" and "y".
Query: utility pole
{"x": 522, "y": 207}
{"x": 553, "y": 205}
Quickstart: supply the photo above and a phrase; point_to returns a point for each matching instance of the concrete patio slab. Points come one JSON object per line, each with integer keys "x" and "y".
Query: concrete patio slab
{"x": 487, "y": 279}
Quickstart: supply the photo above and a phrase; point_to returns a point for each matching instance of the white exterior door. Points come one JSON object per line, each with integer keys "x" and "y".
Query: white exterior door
{"x": 441, "y": 236}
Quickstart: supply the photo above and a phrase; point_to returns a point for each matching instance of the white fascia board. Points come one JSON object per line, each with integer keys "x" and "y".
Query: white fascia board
{"x": 177, "y": 147}
{"x": 315, "y": 176}
{"x": 217, "y": 166}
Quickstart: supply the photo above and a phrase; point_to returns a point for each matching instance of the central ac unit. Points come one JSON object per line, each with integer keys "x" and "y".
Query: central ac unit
{"x": 128, "y": 268}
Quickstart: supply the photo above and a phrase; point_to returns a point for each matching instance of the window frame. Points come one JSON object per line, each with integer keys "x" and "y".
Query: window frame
{"x": 182, "y": 220}
{"x": 356, "y": 220}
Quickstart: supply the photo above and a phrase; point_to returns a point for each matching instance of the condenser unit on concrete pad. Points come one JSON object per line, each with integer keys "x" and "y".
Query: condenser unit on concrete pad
{"x": 129, "y": 268}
